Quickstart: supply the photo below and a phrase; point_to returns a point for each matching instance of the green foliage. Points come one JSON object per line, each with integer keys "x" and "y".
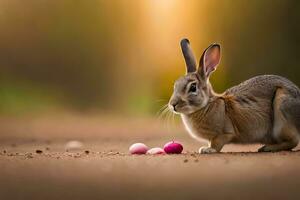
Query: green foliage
{"x": 16, "y": 99}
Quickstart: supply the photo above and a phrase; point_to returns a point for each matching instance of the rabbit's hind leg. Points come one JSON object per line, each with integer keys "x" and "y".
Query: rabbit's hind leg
{"x": 285, "y": 130}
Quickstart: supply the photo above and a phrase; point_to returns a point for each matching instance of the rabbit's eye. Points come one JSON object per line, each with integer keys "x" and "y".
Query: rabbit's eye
{"x": 193, "y": 87}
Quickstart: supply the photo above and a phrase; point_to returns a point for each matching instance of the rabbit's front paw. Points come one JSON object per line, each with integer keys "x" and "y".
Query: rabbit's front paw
{"x": 206, "y": 150}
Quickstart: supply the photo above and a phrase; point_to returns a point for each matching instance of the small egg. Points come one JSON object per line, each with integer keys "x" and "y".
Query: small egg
{"x": 173, "y": 147}
{"x": 138, "y": 148}
{"x": 156, "y": 150}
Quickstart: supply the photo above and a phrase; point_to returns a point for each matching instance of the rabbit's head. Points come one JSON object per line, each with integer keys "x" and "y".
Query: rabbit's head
{"x": 193, "y": 91}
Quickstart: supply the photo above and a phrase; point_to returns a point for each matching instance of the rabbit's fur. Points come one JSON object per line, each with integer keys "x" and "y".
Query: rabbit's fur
{"x": 264, "y": 109}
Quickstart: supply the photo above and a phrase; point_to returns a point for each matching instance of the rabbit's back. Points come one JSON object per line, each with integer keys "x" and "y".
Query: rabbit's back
{"x": 263, "y": 86}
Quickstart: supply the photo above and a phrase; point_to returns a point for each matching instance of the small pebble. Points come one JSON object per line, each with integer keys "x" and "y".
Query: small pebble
{"x": 73, "y": 145}
{"x": 87, "y": 151}
{"x": 38, "y": 151}
{"x": 29, "y": 155}
{"x": 112, "y": 153}
{"x": 185, "y": 160}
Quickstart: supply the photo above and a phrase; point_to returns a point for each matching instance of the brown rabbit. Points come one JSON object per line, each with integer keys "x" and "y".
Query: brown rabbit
{"x": 264, "y": 109}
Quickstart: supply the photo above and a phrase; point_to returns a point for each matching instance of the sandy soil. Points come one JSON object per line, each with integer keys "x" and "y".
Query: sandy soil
{"x": 103, "y": 169}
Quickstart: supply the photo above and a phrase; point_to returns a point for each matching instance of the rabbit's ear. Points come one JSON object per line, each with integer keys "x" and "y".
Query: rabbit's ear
{"x": 189, "y": 57}
{"x": 209, "y": 60}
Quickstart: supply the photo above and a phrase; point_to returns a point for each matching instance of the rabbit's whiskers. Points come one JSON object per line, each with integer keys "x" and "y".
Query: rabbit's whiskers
{"x": 167, "y": 115}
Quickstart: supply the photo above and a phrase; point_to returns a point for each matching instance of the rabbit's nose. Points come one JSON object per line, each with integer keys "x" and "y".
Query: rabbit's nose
{"x": 173, "y": 105}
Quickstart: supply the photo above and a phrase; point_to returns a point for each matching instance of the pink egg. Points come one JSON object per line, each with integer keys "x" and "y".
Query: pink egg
{"x": 155, "y": 151}
{"x": 173, "y": 147}
{"x": 138, "y": 148}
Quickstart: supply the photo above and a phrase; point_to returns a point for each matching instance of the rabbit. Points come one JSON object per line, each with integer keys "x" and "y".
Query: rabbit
{"x": 264, "y": 109}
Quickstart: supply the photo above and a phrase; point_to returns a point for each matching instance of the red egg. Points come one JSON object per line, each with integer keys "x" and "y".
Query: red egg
{"x": 173, "y": 147}
{"x": 138, "y": 148}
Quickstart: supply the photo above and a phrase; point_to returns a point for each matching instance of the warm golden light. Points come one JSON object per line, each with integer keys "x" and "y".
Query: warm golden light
{"x": 83, "y": 52}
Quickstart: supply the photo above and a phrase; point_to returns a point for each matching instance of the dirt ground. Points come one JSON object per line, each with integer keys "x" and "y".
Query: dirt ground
{"x": 103, "y": 169}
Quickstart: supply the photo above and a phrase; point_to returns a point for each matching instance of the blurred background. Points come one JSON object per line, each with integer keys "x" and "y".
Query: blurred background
{"x": 122, "y": 56}
{"x": 95, "y": 73}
